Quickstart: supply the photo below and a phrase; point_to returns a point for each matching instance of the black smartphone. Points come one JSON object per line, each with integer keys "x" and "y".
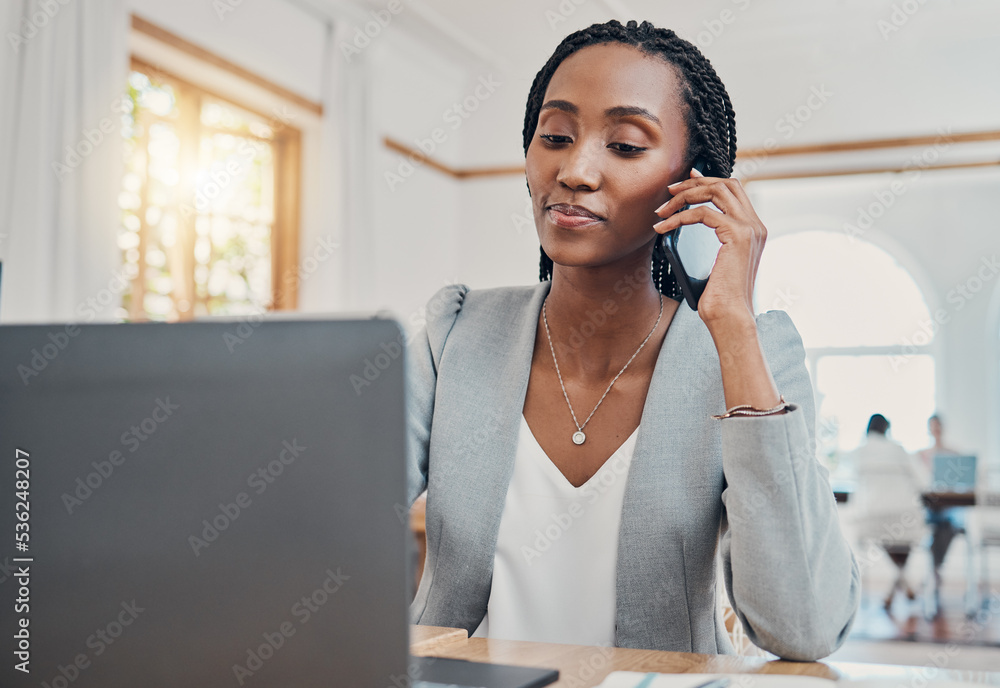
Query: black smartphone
{"x": 691, "y": 252}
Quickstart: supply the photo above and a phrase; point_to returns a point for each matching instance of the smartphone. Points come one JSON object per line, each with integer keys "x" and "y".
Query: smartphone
{"x": 691, "y": 251}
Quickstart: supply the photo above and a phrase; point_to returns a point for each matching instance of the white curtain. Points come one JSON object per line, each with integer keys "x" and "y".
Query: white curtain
{"x": 62, "y": 77}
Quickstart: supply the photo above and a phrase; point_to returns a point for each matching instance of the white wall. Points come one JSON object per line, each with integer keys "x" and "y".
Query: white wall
{"x": 499, "y": 245}
{"x": 410, "y": 248}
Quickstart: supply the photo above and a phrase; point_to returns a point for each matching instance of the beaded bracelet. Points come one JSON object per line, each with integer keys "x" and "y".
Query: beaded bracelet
{"x": 748, "y": 410}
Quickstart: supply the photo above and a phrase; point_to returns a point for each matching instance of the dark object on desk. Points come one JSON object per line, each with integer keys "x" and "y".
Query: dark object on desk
{"x": 452, "y": 672}
{"x": 946, "y": 500}
{"x": 211, "y": 504}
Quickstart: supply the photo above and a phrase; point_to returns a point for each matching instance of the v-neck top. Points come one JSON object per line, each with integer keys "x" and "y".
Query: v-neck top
{"x": 557, "y": 550}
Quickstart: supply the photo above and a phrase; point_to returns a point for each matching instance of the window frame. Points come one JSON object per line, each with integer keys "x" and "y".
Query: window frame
{"x": 285, "y": 230}
{"x": 935, "y": 348}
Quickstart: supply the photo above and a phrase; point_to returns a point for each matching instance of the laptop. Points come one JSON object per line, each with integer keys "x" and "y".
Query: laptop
{"x": 954, "y": 473}
{"x": 206, "y": 504}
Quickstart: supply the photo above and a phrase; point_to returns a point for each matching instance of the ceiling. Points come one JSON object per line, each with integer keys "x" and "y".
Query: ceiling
{"x": 888, "y": 73}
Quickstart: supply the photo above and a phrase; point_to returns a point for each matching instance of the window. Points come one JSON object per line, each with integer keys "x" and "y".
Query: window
{"x": 867, "y": 331}
{"x": 208, "y": 204}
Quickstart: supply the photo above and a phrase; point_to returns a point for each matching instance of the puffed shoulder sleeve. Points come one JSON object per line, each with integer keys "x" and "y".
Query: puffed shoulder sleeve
{"x": 423, "y": 359}
{"x": 790, "y": 574}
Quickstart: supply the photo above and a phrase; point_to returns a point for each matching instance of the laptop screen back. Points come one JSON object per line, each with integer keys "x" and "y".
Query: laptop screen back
{"x": 208, "y": 505}
{"x": 954, "y": 473}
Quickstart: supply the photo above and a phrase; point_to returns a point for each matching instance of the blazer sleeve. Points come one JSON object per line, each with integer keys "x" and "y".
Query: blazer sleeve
{"x": 790, "y": 574}
{"x": 423, "y": 358}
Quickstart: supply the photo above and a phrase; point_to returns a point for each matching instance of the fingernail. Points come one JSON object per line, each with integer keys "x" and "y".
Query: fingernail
{"x": 696, "y": 173}
{"x": 670, "y": 186}
{"x": 657, "y": 211}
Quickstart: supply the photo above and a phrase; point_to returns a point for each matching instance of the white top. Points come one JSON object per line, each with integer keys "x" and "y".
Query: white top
{"x": 886, "y": 502}
{"x": 557, "y": 551}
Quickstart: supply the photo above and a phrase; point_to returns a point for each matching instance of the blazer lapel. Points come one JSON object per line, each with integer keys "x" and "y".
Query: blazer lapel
{"x": 479, "y": 415}
{"x": 673, "y": 475}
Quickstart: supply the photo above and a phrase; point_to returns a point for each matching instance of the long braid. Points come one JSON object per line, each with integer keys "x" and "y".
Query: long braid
{"x": 710, "y": 118}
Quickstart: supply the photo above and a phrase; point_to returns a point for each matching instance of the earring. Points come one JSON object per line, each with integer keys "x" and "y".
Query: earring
{"x": 659, "y": 258}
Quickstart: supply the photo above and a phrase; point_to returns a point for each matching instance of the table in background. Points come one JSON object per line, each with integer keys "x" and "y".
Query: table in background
{"x": 932, "y": 500}
{"x": 947, "y": 500}
{"x": 583, "y": 666}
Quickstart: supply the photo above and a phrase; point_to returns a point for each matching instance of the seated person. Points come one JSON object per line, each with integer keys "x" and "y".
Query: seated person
{"x": 945, "y": 523}
{"x": 578, "y": 487}
{"x": 887, "y": 502}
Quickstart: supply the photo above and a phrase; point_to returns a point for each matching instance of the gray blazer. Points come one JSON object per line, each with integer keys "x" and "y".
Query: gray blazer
{"x": 748, "y": 488}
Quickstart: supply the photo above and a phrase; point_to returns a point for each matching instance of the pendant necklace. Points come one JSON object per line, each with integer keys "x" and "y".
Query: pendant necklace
{"x": 579, "y": 437}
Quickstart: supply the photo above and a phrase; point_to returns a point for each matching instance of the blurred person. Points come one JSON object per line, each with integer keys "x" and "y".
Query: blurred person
{"x": 935, "y": 428}
{"x": 945, "y": 523}
{"x": 888, "y": 509}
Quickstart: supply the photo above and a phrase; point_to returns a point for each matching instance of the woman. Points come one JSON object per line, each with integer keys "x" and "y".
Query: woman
{"x": 578, "y": 487}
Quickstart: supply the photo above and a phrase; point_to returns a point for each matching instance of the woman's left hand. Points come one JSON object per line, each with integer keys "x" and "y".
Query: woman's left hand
{"x": 728, "y": 296}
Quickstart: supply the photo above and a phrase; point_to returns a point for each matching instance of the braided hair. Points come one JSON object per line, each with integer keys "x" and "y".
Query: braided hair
{"x": 709, "y": 115}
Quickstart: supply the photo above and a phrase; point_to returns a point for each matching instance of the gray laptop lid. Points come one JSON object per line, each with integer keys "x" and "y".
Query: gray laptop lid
{"x": 208, "y": 505}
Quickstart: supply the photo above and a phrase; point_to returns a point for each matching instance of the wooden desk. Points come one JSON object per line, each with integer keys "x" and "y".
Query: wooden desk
{"x": 427, "y": 640}
{"x": 586, "y": 667}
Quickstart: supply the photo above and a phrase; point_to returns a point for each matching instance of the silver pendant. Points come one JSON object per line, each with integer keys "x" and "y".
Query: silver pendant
{"x": 579, "y": 437}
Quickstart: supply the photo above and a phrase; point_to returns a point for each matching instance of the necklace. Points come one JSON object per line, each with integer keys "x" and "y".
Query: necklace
{"x": 579, "y": 437}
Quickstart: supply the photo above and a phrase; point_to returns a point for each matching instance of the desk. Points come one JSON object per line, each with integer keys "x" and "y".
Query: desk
{"x": 933, "y": 500}
{"x": 427, "y": 640}
{"x": 585, "y": 667}
{"x": 946, "y": 500}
